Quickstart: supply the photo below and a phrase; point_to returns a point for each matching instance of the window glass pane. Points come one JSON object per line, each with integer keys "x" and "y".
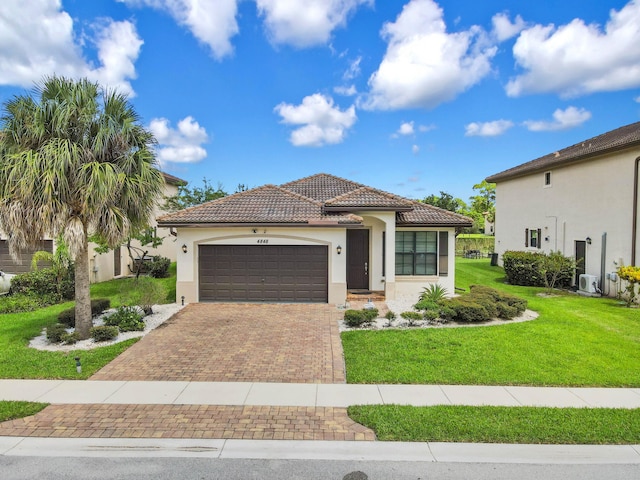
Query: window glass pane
{"x": 431, "y": 268}
{"x": 421, "y": 264}
{"x": 432, "y": 242}
{"x": 421, "y": 242}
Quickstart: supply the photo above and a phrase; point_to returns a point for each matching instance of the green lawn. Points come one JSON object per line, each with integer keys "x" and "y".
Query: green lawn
{"x": 17, "y": 360}
{"x": 500, "y": 424}
{"x": 13, "y": 410}
{"x": 576, "y": 341}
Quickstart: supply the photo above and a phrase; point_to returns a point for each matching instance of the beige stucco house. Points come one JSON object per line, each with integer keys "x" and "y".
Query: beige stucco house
{"x": 312, "y": 240}
{"x": 581, "y": 200}
{"x": 107, "y": 265}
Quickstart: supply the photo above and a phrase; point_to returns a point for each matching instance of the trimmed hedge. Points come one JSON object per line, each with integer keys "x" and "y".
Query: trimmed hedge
{"x": 103, "y": 333}
{"x": 358, "y": 318}
{"x": 483, "y": 304}
{"x": 527, "y": 268}
{"x": 44, "y": 283}
{"x": 98, "y": 305}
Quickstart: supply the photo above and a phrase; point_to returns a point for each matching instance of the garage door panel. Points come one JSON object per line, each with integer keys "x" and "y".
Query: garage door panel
{"x": 257, "y": 273}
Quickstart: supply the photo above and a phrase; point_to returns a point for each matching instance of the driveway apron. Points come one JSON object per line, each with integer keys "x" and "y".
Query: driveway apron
{"x": 214, "y": 342}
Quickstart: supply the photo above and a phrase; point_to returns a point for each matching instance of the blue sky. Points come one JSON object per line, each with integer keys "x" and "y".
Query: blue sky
{"x": 412, "y": 96}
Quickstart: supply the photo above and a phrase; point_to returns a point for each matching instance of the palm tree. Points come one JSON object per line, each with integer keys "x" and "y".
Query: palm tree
{"x": 75, "y": 162}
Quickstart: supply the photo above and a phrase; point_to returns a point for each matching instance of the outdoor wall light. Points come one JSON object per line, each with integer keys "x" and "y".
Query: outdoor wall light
{"x": 588, "y": 239}
{"x": 339, "y": 249}
{"x": 184, "y": 248}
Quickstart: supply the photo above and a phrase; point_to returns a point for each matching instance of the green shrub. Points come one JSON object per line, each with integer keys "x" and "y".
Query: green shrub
{"x": 126, "y": 319}
{"x": 159, "y": 267}
{"x": 447, "y": 313}
{"x": 426, "y": 305}
{"x": 467, "y": 310}
{"x": 354, "y": 318}
{"x": 538, "y": 269}
{"x": 68, "y": 317}
{"x": 370, "y": 314}
{"x": 433, "y": 293}
{"x": 412, "y": 317}
{"x": 506, "y": 311}
{"x": 103, "y": 333}
{"x": 70, "y": 338}
{"x": 45, "y": 282}
{"x": 98, "y": 305}
{"x": 56, "y": 332}
{"x": 18, "y": 303}
{"x": 144, "y": 292}
{"x": 391, "y": 316}
{"x": 431, "y": 315}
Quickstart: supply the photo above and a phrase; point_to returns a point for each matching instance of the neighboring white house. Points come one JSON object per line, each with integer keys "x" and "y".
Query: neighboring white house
{"x": 117, "y": 262}
{"x": 581, "y": 200}
{"x": 113, "y": 263}
{"x": 312, "y": 240}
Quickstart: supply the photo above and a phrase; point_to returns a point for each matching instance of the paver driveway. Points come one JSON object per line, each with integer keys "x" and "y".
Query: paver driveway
{"x": 289, "y": 343}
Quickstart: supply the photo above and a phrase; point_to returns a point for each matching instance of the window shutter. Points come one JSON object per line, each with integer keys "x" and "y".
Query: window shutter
{"x": 539, "y": 238}
{"x": 526, "y": 237}
{"x": 443, "y": 253}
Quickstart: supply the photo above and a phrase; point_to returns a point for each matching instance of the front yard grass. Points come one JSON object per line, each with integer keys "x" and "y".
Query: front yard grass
{"x": 532, "y": 425}
{"x": 14, "y": 410}
{"x": 576, "y": 341}
{"x": 17, "y": 360}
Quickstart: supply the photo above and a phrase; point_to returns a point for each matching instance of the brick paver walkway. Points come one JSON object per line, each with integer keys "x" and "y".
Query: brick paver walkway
{"x": 189, "y": 421}
{"x": 288, "y": 343}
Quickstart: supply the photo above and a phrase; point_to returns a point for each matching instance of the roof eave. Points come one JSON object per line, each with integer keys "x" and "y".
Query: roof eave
{"x": 257, "y": 224}
{"x": 561, "y": 163}
{"x": 366, "y": 209}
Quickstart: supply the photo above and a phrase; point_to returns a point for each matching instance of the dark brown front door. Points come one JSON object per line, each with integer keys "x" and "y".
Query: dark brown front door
{"x": 357, "y": 259}
{"x": 581, "y": 254}
{"x": 263, "y": 273}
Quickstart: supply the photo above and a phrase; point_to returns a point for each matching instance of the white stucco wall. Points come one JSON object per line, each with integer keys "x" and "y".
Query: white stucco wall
{"x": 187, "y": 279}
{"x": 380, "y": 279}
{"x": 587, "y": 199}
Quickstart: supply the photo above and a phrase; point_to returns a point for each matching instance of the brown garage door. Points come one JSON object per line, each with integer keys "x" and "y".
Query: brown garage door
{"x": 263, "y": 273}
{"x": 7, "y": 264}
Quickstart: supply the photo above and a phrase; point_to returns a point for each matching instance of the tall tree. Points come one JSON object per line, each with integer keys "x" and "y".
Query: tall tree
{"x": 76, "y": 162}
{"x": 446, "y": 201}
{"x": 192, "y": 196}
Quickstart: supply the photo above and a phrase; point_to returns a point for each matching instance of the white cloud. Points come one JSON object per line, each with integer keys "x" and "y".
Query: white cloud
{"x": 426, "y": 128}
{"x": 562, "y": 120}
{"x": 487, "y": 129}
{"x": 212, "y": 22}
{"x": 179, "y": 145}
{"x": 322, "y": 122}
{"x": 37, "y": 39}
{"x": 415, "y": 149}
{"x": 406, "y": 128}
{"x": 504, "y": 29}
{"x": 304, "y": 23}
{"x": 577, "y": 58}
{"x": 349, "y": 91}
{"x": 637, "y": 99}
{"x": 118, "y": 49}
{"x": 424, "y": 65}
{"x": 353, "y": 71}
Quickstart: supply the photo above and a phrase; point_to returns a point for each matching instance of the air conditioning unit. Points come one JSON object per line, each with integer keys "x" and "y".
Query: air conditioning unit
{"x": 588, "y": 283}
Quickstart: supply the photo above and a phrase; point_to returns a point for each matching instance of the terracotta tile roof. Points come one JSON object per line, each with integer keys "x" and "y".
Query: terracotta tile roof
{"x": 618, "y": 139}
{"x": 322, "y": 186}
{"x": 266, "y": 204}
{"x": 368, "y": 198}
{"x": 428, "y": 215}
{"x": 317, "y": 200}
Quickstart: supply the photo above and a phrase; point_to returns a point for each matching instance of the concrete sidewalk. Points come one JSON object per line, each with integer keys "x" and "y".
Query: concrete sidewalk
{"x": 309, "y": 395}
{"x": 320, "y": 450}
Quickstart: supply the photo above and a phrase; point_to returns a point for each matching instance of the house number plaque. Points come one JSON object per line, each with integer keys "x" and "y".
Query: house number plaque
{"x": 263, "y": 240}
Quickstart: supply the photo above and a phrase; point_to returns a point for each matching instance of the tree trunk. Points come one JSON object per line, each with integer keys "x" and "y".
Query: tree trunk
{"x": 83, "y": 297}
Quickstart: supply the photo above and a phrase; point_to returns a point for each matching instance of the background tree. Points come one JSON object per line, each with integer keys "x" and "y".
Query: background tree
{"x": 485, "y": 201}
{"x": 192, "y": 196}
{"x": 76, "y": 162}
{"x": 446, "y": 201}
